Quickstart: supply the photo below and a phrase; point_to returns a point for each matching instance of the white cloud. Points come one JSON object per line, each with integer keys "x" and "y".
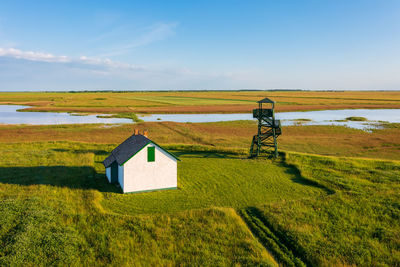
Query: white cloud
{"x": 50, "y": 58}
{"x": 28, "y": 70}
{"x": 30, "y": 55}
{"x": 103, "y": 66}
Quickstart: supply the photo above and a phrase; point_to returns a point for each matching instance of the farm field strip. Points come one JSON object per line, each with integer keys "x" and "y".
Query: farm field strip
{"x": 198, "y": 102}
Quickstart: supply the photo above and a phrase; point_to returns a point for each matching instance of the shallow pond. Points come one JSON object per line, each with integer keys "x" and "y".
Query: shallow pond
{"x": 10, "y": 115}
{"x": 322, "y": 117}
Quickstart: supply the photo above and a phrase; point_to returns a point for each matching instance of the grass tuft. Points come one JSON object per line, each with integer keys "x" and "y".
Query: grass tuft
{"x": 356, "y": 119}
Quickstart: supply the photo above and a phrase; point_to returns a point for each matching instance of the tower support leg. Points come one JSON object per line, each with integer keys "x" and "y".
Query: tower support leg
{"x": 259, "y": 138}
{"x": 275, "y": 144}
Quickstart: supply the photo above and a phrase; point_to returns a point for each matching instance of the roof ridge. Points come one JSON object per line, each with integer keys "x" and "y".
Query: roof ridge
{"x": 128, "y": 148}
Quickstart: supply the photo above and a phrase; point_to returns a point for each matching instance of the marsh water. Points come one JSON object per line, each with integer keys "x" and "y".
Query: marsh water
{"x": 321, "y": 117}
{"x": 9, "y": 115}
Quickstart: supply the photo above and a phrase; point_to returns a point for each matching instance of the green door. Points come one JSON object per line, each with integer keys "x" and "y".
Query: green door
{"x": 114, "y": 172}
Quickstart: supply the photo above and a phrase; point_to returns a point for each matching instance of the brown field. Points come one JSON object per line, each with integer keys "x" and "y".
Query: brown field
{"x": 198, "y": 102}
{"x": 229, "y": 136}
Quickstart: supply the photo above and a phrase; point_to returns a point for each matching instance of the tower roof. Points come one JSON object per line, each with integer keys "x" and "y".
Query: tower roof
{"x": 266, "y": 100}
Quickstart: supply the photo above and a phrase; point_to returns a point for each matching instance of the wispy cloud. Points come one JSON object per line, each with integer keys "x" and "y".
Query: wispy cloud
{"x": 156, "y": 32}
{"x": 50, "y": 58}
{"x": 127, "y": 40}
{"x": 29, "y": 70}
{"x": 142, "y": 37}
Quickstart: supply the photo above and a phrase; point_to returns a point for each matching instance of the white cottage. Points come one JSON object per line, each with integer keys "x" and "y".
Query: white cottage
{"x": 139, "y": 164}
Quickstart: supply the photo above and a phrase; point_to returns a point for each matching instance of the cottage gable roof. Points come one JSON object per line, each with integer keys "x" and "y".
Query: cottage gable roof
{"x": 109, "y": 160}
{"x": 128, "y": 149}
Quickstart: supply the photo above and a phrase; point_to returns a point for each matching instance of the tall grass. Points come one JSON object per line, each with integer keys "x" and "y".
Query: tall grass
{"x": 58, "y": 209}
{"x": 358, "y": 224}
{"x": 232, "y": 137}
{"x": 32, "y": 233}
{"x": 126, "y": 115}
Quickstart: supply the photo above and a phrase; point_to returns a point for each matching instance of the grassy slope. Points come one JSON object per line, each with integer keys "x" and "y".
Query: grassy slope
{"x": 198, "y": 102}
{"x": 34, "y": 234}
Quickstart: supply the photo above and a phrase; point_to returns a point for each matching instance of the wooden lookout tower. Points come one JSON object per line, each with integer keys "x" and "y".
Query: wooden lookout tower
{"x": 268, "y": 129}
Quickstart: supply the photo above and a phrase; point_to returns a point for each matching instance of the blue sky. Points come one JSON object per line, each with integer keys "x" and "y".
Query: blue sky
{"x": 164, "y": 45}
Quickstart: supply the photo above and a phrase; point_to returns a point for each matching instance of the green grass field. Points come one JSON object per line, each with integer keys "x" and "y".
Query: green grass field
{"x": 58, "y": 209}
{"x": 357, "y": 224}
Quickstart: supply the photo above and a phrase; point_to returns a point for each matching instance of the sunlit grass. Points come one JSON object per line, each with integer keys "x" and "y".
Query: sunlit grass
{"x": 60, "y": 187}
{"x": 234, "y": 136}
{"x": 358, "y": 224}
